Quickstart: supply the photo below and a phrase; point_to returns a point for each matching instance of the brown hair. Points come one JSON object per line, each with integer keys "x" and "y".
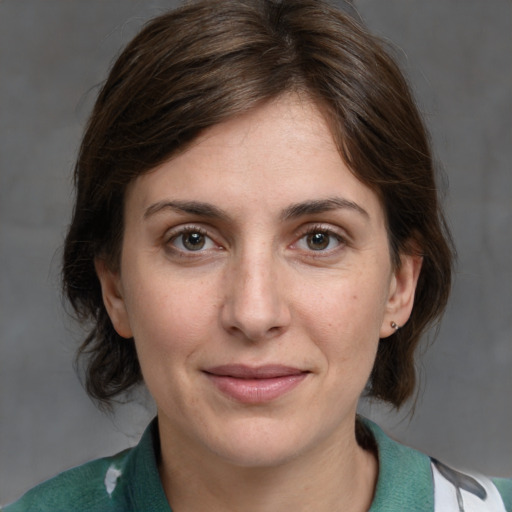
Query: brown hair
{"x": 209, "y": 61}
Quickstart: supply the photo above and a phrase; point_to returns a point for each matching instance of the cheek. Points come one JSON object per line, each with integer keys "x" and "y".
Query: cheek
{"x": 171, "y": 326}
{"x": 346, "y": 306}
{"x": 345, "y": 321}
{"x": 169, "y": 315}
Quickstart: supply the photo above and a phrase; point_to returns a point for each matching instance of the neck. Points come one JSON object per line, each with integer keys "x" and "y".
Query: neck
{"x": 339, "y": 476}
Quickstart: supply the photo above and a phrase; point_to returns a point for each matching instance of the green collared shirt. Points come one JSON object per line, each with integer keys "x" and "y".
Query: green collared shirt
{"x": 130, "y": 482}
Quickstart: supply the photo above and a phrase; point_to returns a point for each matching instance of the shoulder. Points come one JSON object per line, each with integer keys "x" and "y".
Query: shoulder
{"x": 504, "y": 486}
{"x": 469, "y": 491}
{"x": 86, "y": 487}
{"x": 410, "y": 480}
{"x": 128, "y": 481}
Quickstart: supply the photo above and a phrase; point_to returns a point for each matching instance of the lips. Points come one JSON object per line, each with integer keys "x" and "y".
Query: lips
{"x": 255, "y": 385}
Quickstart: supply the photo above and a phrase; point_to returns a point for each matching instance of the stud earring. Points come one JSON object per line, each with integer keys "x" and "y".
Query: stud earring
{"x": 395, "y": 326}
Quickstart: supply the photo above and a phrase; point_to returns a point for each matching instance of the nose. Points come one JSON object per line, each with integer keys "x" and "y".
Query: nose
{"x": 255, "y": 307}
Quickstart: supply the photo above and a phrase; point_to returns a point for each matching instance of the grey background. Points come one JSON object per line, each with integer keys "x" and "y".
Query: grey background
{"x": 53, "y": 52}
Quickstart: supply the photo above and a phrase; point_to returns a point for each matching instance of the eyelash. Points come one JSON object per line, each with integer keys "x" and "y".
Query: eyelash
{"x": 319, "y": 229}
{"x": 326, "y": 231}
{"x": 181, "y": 233}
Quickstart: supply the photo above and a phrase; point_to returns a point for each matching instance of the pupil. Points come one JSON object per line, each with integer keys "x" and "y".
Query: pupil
{"x": 193, "y": 241}
{"x": 318, "y": 241}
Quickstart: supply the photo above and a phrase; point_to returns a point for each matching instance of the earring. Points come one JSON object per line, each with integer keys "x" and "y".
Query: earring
{"x": 395, "y": 326}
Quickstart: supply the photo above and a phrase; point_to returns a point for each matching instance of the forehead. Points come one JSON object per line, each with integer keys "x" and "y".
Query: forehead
{"x": 282, "y": 151}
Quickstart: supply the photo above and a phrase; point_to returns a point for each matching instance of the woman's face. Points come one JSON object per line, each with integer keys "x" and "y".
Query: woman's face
{"x": 256, "y": 280}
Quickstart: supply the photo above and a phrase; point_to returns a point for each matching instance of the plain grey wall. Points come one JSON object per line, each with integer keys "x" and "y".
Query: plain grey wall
{"x": 52, "y": 52}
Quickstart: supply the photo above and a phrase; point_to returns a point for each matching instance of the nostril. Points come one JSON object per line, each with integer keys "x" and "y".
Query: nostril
{"x": 253, "y": 327}
{"x": 255, "y": 334}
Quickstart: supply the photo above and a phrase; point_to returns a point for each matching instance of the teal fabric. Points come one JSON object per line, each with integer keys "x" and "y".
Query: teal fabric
{"x": 404, "y": 484}
{"x": 504, "y": 486}
{"x": 405, "y": 477}
{"x": 83, "y": 489}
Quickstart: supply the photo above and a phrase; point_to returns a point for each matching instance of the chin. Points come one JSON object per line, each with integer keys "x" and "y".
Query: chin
{"x": 260, "y": 443}
{"x": 259, "y": 455}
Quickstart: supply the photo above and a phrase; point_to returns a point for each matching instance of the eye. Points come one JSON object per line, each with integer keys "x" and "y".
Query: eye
{"x": 319, "y": 240}
{"x": 192, "y": 240}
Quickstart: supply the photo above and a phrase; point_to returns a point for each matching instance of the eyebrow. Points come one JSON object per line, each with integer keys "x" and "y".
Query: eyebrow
{"x": 293, "y": 211}
{"x": 191, "y": 207}
{"x": 320, "y": 206}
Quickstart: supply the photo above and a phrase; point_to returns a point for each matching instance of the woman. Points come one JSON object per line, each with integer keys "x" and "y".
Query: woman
{"x": 257, "y": 238}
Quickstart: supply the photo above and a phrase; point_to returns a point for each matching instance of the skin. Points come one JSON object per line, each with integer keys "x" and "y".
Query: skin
{"x": 248, "y": 277}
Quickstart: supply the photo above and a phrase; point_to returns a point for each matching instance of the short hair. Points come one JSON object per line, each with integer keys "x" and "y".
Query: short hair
{"x": 209, "y": 61}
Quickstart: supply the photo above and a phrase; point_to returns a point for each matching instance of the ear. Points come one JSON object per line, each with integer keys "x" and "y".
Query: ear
{"x": 401, "y": 294}
{"x": 113, "y": 300}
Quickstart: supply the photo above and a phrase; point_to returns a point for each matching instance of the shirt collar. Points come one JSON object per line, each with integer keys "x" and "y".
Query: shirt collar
{"x": 405, "y": 476}
{"x": 404, "y": 481}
